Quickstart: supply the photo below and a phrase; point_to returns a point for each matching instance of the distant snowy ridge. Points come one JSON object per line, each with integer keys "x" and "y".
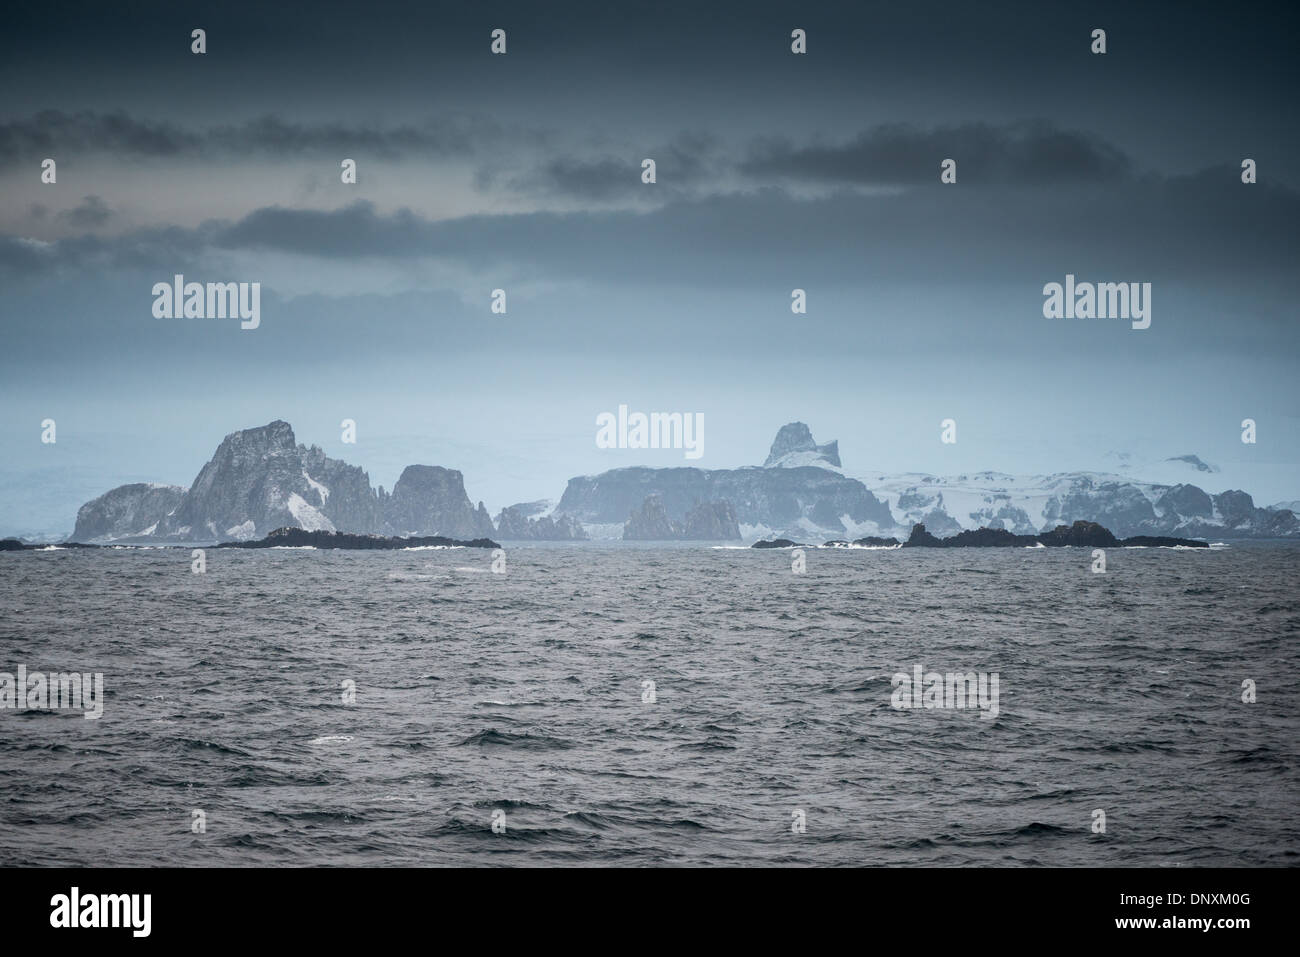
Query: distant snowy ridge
{"x": 1036, "y": 503}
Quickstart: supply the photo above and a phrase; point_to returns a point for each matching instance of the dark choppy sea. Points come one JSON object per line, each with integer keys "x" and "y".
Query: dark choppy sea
{"x": 522, "y": 693}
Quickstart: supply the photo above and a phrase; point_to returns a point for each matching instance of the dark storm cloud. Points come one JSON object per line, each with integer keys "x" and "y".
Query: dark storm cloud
{"x": 1191, "y": 228}
{"x": 444, "y": 136}
{"x": 601, "y": 179}
{"x": 90, "y": 212}
{"x": 353, "y": 231}
{"x": 52, "y": 132}
{"x": 1185, "y": 226}
{"x": 1031, "y": 153}
{"x": 688, "y": 160}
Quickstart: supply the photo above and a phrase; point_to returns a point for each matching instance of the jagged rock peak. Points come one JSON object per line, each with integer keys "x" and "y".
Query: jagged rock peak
{"x": 514, "y": 523}
{"x": 260, "y": 479}
{"x": 794, "y": 446}
{"x": 277, "y": 434}
{"x": 650, "y": 523}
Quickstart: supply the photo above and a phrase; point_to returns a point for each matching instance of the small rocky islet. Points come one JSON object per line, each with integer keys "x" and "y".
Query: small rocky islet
{"x": 1079, "y": 535}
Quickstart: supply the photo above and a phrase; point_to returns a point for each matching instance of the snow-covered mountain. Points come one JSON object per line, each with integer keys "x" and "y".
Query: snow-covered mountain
{"x": 803, "y": 493}
{"x": 261, "y": 479}
{"x": 1035, "y": 503}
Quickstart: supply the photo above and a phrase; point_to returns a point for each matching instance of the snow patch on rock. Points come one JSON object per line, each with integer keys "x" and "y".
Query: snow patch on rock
{"x": 308, "y": 516}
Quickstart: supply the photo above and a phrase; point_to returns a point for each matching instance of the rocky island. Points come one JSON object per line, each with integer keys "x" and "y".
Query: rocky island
{"x": 262, "y": 478}
{"x": 1081, "y": 535}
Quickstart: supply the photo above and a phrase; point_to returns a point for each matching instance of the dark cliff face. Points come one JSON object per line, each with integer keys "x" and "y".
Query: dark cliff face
{"x": 776, "y": 498}
{"x": 1236, "y": 507}
{"x": 704, "y": 522}
{"x": 431, "y": 500}
{"x": 1113, "y": 504}
{"x": 349, "y": 501}
{"x": 710, "y": 522}
{"x": 650, "y": 523}
{"x": 128, "y": 511}
{"x": 1187, "y": 501}
{"x": 1188, "y": 510}
{"x": 1184, "y": 510}
{"x": 612, "y": 496}
{"x": 261, "y": 479}
{"x": 1240, "y": 514}
{"x": 785, "y": 495}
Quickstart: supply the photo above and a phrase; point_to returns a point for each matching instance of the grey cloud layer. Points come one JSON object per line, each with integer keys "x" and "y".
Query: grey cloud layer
{"x": 1190, "y": 227}
{"x": 53, "y": 132}
{"x": 92, "y": 211}
{"x": 1032, "y": 153}
{"x": 531, "y": 161}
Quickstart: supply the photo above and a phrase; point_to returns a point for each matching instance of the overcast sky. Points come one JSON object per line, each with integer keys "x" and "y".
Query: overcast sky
{"x": 523, "y": 172}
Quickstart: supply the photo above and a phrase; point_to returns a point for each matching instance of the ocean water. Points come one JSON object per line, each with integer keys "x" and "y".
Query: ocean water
{"x": 522, "y": 693}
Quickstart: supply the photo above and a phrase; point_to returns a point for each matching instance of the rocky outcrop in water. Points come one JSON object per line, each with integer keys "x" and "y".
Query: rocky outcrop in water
{"x": 515, "y": 523}
{"x": 431, "y": 500}
{"x": 1161, "y": 541}
{"x": 261, "y": 479}
{"x": 870, "y": 541}
{"x": 710, "y": 522}
{"x": 1079, "y": 535}
{"x": 346, "y": 498}
{"x": 707, "y": 522}
{"x": 126, "y": 512}
{"x": 650, "y": 523}
{"x": 792, "y": 499}
{"x": 17, "y": 545}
